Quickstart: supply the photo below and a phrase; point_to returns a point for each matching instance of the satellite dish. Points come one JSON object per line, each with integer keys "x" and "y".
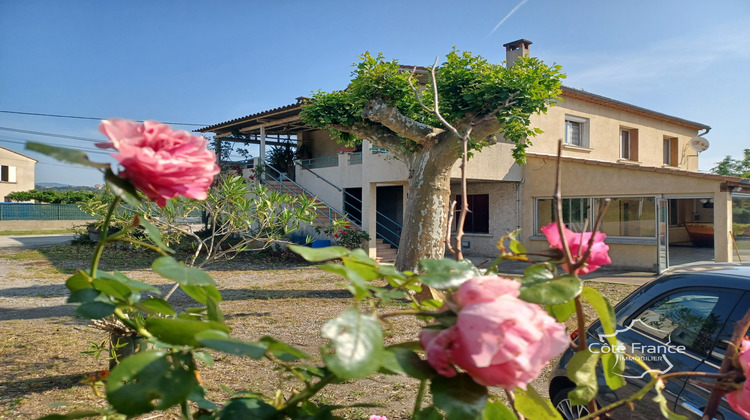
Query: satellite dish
{"x": 699, "y": 144}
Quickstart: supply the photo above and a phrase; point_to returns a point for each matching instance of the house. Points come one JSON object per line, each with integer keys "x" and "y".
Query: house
{"x": 645, "y": 161}
{"x": 16, "y": 172}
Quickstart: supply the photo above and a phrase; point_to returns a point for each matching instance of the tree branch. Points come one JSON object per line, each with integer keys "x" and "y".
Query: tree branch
{"x": 375, "y": 134}
{"x": 380, "y": 112}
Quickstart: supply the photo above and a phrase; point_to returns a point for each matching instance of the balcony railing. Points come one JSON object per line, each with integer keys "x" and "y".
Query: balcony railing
{"x": 320, "y": 162}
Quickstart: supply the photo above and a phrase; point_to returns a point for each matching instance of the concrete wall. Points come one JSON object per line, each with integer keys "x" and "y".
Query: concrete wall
{"x": 503, "y": 216}
{"x": 24, "y": 172}
{"x": 604, "y": 134}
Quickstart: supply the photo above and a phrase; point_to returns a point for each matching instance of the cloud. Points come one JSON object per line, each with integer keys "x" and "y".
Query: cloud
{"x": 507, "y": 16}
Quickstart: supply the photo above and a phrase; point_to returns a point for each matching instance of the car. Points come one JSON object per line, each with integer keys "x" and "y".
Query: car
{"x": 679, "y": 322}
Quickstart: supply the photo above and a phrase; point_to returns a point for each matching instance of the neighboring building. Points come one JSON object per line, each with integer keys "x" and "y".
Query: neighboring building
{"x": 16, "y": 172}
{"x": 641, "y": 159}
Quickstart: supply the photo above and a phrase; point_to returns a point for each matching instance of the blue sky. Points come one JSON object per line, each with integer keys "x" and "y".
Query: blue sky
{"x": 203, "y": 62}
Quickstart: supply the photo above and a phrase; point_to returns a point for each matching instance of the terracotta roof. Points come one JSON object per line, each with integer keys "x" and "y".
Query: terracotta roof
{"x": 602, "y": 100}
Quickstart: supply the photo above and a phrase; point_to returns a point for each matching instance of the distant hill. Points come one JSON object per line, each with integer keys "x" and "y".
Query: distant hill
{"x": 63, "y": 187}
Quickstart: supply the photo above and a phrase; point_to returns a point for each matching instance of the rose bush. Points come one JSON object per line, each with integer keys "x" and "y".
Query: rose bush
{"x": 498, "y": 339}
{"x": 740, "y": 399}
{"x": 578, "y": 244}
{"x": 161, "y": 162}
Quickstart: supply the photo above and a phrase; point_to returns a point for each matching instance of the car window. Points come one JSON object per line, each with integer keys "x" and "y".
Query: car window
{"x": 690, "y": 318}
{"x": 726, "y": 333}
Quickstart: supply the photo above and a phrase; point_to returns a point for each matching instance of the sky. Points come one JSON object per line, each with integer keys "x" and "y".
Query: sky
{"x": 197, "y": 63}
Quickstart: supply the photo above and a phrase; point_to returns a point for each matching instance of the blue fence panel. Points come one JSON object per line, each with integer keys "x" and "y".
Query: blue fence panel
{"x": 27, "y": 211}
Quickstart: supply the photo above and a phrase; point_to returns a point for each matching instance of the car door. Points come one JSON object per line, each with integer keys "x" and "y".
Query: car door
{"x": 692, "y": 399}
{"x": 671, "y": 333}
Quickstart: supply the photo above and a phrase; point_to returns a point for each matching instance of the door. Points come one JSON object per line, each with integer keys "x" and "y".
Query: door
{"x": 662, "y": 235}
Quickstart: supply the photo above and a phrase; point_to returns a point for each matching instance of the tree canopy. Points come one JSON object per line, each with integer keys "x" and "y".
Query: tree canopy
{"x": 734, "y": 167}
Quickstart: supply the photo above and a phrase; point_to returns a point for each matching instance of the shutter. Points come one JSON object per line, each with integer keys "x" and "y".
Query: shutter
{"x": 11, "y": 174}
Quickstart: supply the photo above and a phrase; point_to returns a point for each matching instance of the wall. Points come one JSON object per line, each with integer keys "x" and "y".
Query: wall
{"x": 604, "y": 134}
{"x": 503, "y": 216}
{"x": 24, "y": 172}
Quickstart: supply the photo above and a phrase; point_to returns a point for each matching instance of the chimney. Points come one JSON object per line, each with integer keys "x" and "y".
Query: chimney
{"x": 515, "y": 50}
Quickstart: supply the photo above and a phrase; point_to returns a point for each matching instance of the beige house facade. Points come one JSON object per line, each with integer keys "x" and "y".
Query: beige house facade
{"x": 644, "y": 161}
{"x": 16, "y": 172}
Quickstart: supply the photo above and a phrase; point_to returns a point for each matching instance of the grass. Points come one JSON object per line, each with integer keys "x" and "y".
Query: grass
{"x": 36, "y": 232}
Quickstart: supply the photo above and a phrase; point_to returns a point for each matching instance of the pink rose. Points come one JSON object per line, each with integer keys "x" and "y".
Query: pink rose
{"x": 740, "y": 399}
{"x": 161, "y": 162}
{"x": 578, "y": 245}
{"x": 376, "y": 417}
{"x": 498, "y": 339}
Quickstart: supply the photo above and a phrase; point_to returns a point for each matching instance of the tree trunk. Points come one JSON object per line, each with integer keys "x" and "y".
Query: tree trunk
{"x": 427, "y": 206}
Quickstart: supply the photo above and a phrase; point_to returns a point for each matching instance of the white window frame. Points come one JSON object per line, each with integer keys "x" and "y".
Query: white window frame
{"x": 583, "y": 131}
{"x": 11, "y": 174}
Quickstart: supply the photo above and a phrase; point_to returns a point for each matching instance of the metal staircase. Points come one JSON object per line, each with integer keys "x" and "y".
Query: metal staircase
{"x": 386, "y": 249}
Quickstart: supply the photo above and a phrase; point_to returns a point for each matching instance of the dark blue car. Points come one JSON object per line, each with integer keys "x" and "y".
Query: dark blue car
{"x": 679, "y": 322}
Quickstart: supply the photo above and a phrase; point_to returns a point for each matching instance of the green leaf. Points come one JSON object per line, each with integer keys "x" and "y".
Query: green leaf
{"x": 181, "y": 332}
{"x": 86, "y": 295}
{"x": 403, "y": 361}
{"x": 356, "y": 344}
{"x": 283, "y": 350}
{"x": 169, "y": 267}
{"x": 112, "y": 288}
{"x": 65, "y": 155}
{"x": 150, "y": 381}
{"x": 446, "y": 273}
{"x": 247, "y": 408}
{"x": 213, "y": 313}
{"x": 460, "y": 397}
{"x": 429, "y": 413}
{"x": 582, "y": 371}
{"x": 132, "y": 284}
{"x": 664, "y": 403}
{"x": 539, "y": 285}
{"x": 156, "y": 306}
{"x": 155, "y": 234}
{"x": 95, "y": 310}
{"x": 497, "y": 410}
{"x": 358, "y": 286}
{"x": 562, "y": 311}
{"x": 604, "y": 310}
{"x": 220, "y": 341}
{"x": 122, "y": 188}
{"x": 534, "y": 406}
{"x": 202, "y": 294}
{"x": 78, "y": 281}
{"x": 613, "y": 365}
{"x": 320, "y": 254}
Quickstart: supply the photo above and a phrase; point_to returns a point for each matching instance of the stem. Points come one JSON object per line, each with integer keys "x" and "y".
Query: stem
{"x": 420, "y": 397}
{"x": 412, "y": 312}
{"x": 308, "y": 392}
{"x": 512, "y": 399}
{"x": 103, "y": 238}
{"x": 129, "y": 322}
{"x": 581, "y": 318}
{"x": 185, "y": 410}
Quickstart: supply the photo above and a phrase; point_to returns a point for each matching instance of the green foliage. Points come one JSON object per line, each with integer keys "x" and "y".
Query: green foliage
{"x": 345, "y": 233}
{"x": 734, "y": 167}
{"x": 469, "y": 88}
{"x": 55, "y": 197}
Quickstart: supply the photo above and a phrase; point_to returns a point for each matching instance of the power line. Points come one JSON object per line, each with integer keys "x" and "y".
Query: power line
{"x": 76, "y": 117}
{"x": 22, "y": 141}
{"x": 40, "y": 133}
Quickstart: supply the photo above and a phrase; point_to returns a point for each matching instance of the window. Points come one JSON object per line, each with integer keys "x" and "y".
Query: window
{"x": 628, "y": 144}
{"x": 478, "y": 217}
{"x": 689, "y": 318}
{"x": 670, "y": 151}
{"x": 726, "y": 333}
{"x": 7, "y": 173}
{"x": 576, "y": 131}
{"x": 630, "y": 217}
{"x": 575, "y": 213}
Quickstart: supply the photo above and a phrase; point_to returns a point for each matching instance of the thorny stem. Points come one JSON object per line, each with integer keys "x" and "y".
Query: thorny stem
{"x": 419, "y": 398}
{"x": 103, "y": 239}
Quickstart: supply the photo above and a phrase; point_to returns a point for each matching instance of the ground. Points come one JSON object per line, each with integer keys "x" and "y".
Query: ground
{"x": 41, "y": 353}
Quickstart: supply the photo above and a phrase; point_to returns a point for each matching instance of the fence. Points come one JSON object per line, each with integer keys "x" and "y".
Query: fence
{"x": 26, "y": 211}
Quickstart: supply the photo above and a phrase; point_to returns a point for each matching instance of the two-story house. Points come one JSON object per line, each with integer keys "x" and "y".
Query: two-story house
{"x": 646, "y": 162}
{"x": 16, "y": 172}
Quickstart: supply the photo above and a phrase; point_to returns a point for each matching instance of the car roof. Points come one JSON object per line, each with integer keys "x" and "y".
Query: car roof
{"x": 734, "y": 275}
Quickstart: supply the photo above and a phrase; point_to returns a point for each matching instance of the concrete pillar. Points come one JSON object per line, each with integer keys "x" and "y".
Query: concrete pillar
{"x": 369, "y": 215}
{"x": 262, "y": 151}
{"x": 722, "y": 226}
